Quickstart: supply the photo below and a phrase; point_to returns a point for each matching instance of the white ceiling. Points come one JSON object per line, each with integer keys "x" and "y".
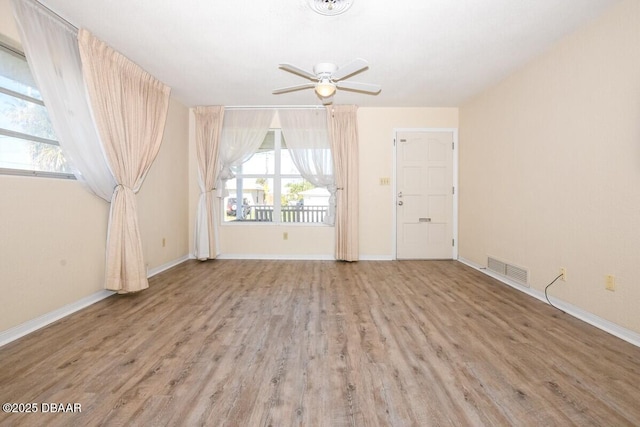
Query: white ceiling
{"x": 424, "y": 53}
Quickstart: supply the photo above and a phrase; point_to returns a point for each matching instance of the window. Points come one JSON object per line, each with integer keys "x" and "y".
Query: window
{"x": 28, "y": 145}
{"x": 272, "y": 188}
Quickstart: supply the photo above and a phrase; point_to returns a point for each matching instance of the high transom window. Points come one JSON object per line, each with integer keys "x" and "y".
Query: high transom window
{"x": 28, "y": 144}
{"x": 272, "y": 188}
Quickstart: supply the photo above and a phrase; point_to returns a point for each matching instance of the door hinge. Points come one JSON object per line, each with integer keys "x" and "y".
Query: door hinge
{"x": 453, "y": 145}
{"x": 453, "y": 190}
{"x": 453, "y": 242}
{"x": 394, "y": 142}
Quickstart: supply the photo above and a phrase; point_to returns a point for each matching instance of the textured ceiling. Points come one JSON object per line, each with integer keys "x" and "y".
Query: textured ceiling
{"x": 433, "y": 53}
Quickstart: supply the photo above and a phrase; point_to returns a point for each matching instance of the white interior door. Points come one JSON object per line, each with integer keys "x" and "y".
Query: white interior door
{"x": 424, "y": 198}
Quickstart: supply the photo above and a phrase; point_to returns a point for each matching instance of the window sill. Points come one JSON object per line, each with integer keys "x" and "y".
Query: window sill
{"x": 39, "y": 174}
{"x": 252, "y": 223}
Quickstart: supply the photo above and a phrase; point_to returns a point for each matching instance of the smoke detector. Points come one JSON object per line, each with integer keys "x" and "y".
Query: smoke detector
{"x": 330, "y": 7}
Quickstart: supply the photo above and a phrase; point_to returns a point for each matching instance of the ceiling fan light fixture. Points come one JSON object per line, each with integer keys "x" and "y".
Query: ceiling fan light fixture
{"x": 330, "y": 7}
{"x": 325, "y": 88}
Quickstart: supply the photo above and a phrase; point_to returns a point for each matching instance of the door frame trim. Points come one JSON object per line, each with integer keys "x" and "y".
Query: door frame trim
{"x": 394, "y": 233}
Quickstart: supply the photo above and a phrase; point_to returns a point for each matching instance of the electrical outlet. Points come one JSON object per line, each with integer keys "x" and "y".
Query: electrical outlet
{"x": 563, "y": 274}
{"x": 285, "y": 236}
{"x": 610, "y": 282}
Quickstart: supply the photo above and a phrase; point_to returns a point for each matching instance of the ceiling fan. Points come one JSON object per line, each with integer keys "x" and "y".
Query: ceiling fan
{"x": 328, "y": 77}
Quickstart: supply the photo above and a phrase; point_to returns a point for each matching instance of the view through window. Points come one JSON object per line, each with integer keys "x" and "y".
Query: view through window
{"x": 28, "y": 144}
{"x": 272, "y": 188}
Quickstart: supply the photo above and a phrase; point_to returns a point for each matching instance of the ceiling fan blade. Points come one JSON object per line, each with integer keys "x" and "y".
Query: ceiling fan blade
{"x": 292, "y": 88}
{"x": 360, "y": 87}
{"x": 299, "y": 71}
{"x": 349, "y": 69}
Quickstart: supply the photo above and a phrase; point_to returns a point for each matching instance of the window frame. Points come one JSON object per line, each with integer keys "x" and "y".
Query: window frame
{"x": 277, "y": 177}
{"x": 24, "y": 136}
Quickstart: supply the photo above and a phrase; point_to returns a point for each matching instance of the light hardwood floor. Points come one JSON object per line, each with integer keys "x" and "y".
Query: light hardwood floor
{"x": 320, "y": 343}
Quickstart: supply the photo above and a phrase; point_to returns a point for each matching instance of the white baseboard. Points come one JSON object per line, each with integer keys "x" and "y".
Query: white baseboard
{"x": 590, "y": 318}
{"x": 297, "y": 257}
{"x": 157, "y": 270}
{"x": 292, "y": 257}
{"x": 40, "y": 322}
{"x": 376, "y": 258}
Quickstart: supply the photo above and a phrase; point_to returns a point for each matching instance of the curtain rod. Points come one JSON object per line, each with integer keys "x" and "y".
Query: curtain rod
{"x": 55, "y": 15}
{"x": 274, "y": 107}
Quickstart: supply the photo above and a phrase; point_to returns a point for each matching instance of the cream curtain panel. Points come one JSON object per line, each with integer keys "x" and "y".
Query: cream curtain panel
{"x": 307, "y": 137}
{"x": 129, "y": 109}
{"x": 343, "y": 133}
{"x": 208, "y": 133}
{"x": 51, "y": 47}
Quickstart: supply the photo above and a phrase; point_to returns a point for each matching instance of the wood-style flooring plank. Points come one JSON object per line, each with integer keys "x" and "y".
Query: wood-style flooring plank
{"x": 322, "y": 343}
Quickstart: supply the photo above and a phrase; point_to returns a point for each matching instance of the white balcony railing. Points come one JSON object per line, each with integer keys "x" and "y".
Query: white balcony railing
{"x": 307, "y": 214}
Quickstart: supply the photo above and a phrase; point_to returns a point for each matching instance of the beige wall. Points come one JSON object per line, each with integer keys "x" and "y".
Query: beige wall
{"x": 375, "y": 126}
{"x": 53, "y": 231}
{"x": 163, "y": 200}
{"x": 52, "y": 235}
{"x": 550, "y": 168}
{"x": 376, "y": 130}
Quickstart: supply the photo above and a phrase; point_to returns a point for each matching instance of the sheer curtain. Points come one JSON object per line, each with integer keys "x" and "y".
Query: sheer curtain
{"x": 208, "y": 122}
{"x": 130, "y": 109}
{"x": 242, "y": 133}
{"x": 343, "y": 132}
{"x": 51, "y": 47}
{"x": 307, "y": 138}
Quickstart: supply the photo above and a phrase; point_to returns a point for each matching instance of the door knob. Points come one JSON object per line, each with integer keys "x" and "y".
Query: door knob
{"x": 400, "y": 194}
{"x": 400, "y": 203}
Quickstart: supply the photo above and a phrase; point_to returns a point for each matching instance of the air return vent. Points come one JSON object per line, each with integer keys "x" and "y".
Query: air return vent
{"x": 515, "y": 273}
